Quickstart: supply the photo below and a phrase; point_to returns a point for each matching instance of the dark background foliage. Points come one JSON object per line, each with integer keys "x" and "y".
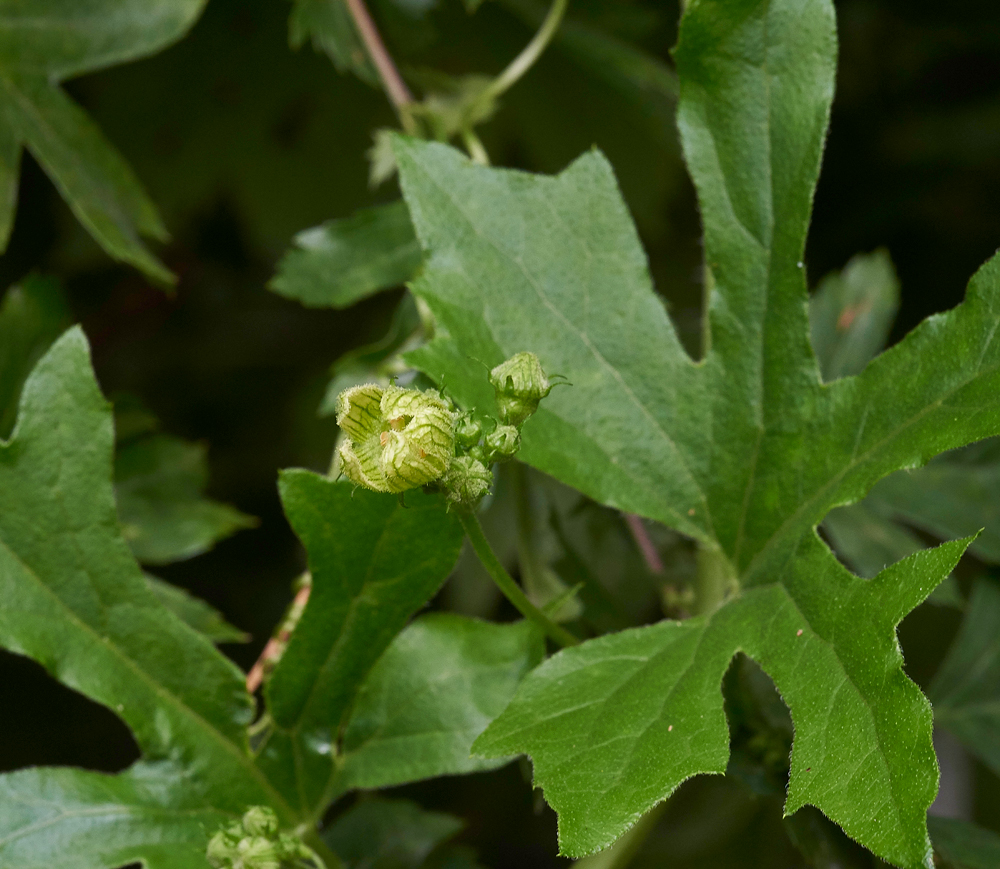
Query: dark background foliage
{"x": 242, "y": 142}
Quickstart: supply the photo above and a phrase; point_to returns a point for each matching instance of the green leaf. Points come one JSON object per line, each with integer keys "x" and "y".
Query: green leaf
{"x": 966, "y": 688}
{"x": 614, "y": 725}
{"x": 964, "y": 845}
{"x": 746, "y": 451}
{"x": 195, "y": 613}
{"x": 74, "y": 819}
{"x": 165, "y": 517}
{"x": 330, "y": 27}
{"x": 76, "y": 601}
{"x": 430, "y": 695}
{"x": 32, "y": 315}
{"x": 389, "y": 834}
{"x": 47, "y": 43}
{"x": 374, "y": 563}
{"x": 851, "y": 313}
{"x": 343, "y": 261}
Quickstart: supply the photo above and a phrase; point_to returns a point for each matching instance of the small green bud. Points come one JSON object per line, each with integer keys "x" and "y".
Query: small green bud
{"x": 260, "y": 821}
{"x": 468, "y": 430}
{"x": 221, "y": 850}
{"x": 520, "y": 383}
{"x": 467, "y": 481}
{"x": 256, "y": 852}
{"x": 478, "y": 452}
{"x": 503, "y": 441}
{"x": 397, "y": 439}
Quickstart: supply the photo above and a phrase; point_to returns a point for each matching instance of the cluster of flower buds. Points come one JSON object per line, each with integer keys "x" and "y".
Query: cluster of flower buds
{"x": 399, "y": 439}
{"x": 255, "y": 842}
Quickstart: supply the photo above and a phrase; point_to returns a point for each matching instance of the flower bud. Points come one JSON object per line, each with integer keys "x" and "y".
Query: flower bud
{"x": 221, "y": 850}
{"x": 467, "y": 481}
{"x": 520, "y": 383}
{"x": 397, "y": 439}
{"x": 503, "y": 441}
{"x": 260, "y": 821}
{"x": 468, "y": 430}
{"x": 256, "y": 852}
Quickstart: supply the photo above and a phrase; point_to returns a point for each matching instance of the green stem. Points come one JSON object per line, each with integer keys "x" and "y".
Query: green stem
{"x": 322, "y": 850}
{"x": 526, "y": 59}
{"x": 513, "y": 593}
{"x": 714, "y": 583}
{"x": 475, "y": 147}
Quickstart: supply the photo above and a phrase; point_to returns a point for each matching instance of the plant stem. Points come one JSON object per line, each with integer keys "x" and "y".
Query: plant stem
{"x": 714, "y": 582}
{"x": 526, "y": 59}
{"x": 322, "y": 850}
{"x": 513, "y": 593}
{"x": 642, "y": 540}
{"x": 475, "y": 147}
{"x": 395, "y": 88}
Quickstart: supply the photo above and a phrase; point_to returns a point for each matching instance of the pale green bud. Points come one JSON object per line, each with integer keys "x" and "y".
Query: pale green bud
{"x": 503, "y": 441}
{"x": 467, "y": 481}
{"x": 468, "y": 430}
{"x": 397, "y": 439}
{"x": 260, "y": 821}
{"x": 520, "y": 383}
{"x": 256, "y": 852}
{"x": 221, "y": 850}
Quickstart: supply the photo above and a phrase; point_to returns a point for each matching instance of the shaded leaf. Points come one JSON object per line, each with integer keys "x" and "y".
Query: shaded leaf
{"x": 165, "y": 516}
{"x": 33, "y": 314}
{"x": 389, "y": 834}
{"x": 964, "y": 845}
{"x": 54, "y": 40}
{"x": 851, "y": 313}
{"x": 433, "y": 691}
{"x": 328, "y": 24}
{"x": 196, "y": 613}
{"x": 966, "y": 688}
{"x": 374, "y": 563}
{"x": 343, "y": 261}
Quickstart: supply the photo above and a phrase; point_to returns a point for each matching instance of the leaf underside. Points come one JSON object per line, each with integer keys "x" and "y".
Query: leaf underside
{"x": 746, "y": 451}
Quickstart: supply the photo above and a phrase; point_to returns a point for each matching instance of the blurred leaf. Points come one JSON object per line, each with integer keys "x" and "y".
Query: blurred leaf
{"x": 165, "y": 517}
{"x": 374, "y": 563}
{"x": 346, "y": 260}
{"x": 76, "y": 601}
{"x": 966, "y": 689}
{"x": 46, "y": 42}
{"x": 868, "y": 542}
{"x": 433, "y": 691}
{"x": 851, "y": 313}
{"x": 945, "y": 497}
{"x": 964, "y": 845}
{"x": 65, "y": 818}
{"x": 33, "y": 314}
{"x": 823, "y": 843}
{"x": 328, "y": 24}
{"x": 195, "y": 612}
{"x": 388, "y": 834}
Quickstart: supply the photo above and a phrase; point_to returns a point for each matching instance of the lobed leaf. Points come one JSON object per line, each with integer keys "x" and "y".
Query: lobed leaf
{"x": 433, "y": 691}
{"x": 374, "y": 563}
{"x": 343, "y": 261}
{"x": 196, "y": 613}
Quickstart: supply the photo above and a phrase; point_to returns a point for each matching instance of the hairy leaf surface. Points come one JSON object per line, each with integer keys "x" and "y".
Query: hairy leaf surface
{"x": 45, "y": 42}
{"x": 374, "y": 563}
{"x": 745, "y": 451}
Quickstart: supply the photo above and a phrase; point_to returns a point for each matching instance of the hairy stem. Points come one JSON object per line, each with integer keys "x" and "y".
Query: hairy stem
{"x": 511, "y": 590}
{"x": 714, "y": 583}
{"x": 532, "y": 51}
{"x": 395, "y": 88}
